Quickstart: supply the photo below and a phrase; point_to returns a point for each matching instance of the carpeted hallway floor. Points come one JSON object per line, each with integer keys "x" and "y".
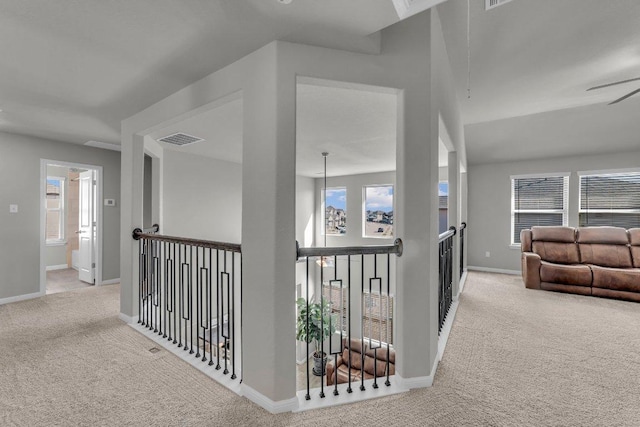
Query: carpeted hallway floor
{"x": 515, "y": 357}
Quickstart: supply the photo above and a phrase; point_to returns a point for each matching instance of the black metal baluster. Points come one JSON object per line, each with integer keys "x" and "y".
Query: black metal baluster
{"x": 218, "y": 318}
{"x": 190, "y": 298}
{"x": 198, "y": 302}
{"x": 241, "y": 312}
{"x": 335, "y": 363}
{"x": 226, "y": 337}
{"x": 210, "y": 305}
{"x": 308, "y": 395}
{"x": 140, "y": 263}
{"x": 362, "y": 349}
{"x": 322, "y": 261}
{"x": 375, "y": 350}
{"x": 233, "y": 315}
{"x": 181, "y": 295}
{"x": 349, "y": 389}
{"x": 156, "y": 282}
{"x": 388, "y": 383}
{"x": 173, "y": 290}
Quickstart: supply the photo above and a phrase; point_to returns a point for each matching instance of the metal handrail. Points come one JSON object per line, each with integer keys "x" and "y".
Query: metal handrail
{"x": 463, "y": 225}
{"x": 139, "y": 231}
{"x": 450, "y": 232}
{"x": 396, "y": 248}
{"x": 231, "y": 247}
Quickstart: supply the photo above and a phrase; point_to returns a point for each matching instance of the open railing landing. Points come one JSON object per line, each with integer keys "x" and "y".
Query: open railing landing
{"x": 445, "y": 274}
{"x": 190, "y": 293}
{"x": 346, "y": 314}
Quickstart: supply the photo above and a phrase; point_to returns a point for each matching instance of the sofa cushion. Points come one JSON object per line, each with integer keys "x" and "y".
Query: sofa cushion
{"x": 618, "y": 256}
{"x": 379, "y": 368}
{"x": 561, "y": 253}
{"x": 634, "y": 240}
{"x": 356, "y": 358}
{"x": 603, "y": 235}
{"x": 553, "y": 234}
{"x": 616, "y": 278}
{"x": 577, "y": 274}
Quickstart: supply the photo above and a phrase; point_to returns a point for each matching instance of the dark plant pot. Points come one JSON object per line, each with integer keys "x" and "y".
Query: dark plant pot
{"x": 319, "y": 365}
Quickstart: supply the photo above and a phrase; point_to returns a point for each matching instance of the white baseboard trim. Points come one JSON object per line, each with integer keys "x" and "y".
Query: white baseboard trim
{"x": 494, "y": 270}
{"x": 397, "y": 385}
{"x": 110, "y": 281}
{"x": 204, "y": 367}
{"x": 21, "y": 297}
{"x": 128, "y": 319}
{"x": 272, "y": 406}
{"x": 420, "y": 382}
{"x": 463, "y": 281}
{"x": 57, "y": 267}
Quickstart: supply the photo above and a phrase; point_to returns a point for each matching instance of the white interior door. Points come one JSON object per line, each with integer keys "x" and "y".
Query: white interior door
{"x": 86, "y": 235}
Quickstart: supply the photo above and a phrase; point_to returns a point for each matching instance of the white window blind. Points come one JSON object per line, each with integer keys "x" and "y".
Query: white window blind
{"x": 610, "y": 199}
{"x": 537, "y": 201}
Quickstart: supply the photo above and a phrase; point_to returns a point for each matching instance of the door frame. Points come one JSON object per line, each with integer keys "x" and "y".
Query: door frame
{"x": 99, "y": 225}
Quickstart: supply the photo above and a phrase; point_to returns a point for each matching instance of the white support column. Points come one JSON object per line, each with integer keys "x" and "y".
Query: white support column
{"x": 268, "y": 237}
{"x": 131, "y": 189}
{"x": 453, "y": 214}
{"x": 417, "y": 223}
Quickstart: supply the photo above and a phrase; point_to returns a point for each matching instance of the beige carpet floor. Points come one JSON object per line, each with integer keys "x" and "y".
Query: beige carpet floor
{"x": 63, "y": 281}
{"x": 515, "y": 357}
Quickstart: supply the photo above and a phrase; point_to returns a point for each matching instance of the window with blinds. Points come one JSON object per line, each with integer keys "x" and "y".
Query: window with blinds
{"x": 54, "y": 203}
{"x": 536, "y": 201}
{"x": 610, "y": 199}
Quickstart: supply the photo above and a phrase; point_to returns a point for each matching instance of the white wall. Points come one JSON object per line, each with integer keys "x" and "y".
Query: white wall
{"x": 20, "y": 157}
{"x": 489, "y": 188}
{"x": 354, "y": 185}
{"x": 202, "y": 198}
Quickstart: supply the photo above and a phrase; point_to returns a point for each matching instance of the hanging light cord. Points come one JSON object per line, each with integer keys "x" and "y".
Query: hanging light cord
{"x": 325, "y": 154}
{"x": 468, "y": 50}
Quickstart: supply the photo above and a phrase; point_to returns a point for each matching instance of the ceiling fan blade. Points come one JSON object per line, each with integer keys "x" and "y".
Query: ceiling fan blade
{"x": 625, "y": 97}
{"x": 613, "y": 84}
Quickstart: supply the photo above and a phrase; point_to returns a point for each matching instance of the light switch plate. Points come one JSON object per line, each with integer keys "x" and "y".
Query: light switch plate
{"x": 109, "y": 202}
{"x": 13, "y": 208}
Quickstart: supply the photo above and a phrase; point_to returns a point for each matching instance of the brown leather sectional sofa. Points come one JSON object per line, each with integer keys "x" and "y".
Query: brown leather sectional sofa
{"x": 600, "y": 261}
{"x": 355, "y": 370}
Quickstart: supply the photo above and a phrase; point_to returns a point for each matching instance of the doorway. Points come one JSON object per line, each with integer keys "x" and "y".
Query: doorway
{"x": 70, "y": 226}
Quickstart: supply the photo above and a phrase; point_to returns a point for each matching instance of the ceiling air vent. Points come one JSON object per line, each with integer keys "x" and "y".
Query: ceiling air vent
{"x": 491, "y": 4}
{"x": 180, "y": 139}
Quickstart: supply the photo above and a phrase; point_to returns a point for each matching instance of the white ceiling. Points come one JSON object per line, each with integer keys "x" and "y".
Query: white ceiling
{"x": 357, "y": 127}
{"x": 72, "y": 70}
{"x": 531, "y": 63}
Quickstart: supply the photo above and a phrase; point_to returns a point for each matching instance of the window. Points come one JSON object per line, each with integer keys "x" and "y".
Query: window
{"x": 377, "y": 311}
{"x": 378, "y": 211}
{"x": 610, "y": 199}
{"x": 55, "y": 210}
{"x": 443, "y": 206}
{"x": 335, "y": 222}
{"x": 537, "y": 200}
{"x": 377, "y": 317}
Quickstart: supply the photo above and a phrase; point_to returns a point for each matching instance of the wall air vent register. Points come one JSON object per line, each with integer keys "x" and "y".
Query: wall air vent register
{"x": 491, "y": 4}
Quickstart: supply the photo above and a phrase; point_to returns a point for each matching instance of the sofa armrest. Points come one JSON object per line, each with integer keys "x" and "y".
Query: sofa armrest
{"x": 531, "y": 270}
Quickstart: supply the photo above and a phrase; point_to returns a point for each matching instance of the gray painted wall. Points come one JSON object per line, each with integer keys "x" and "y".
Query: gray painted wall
{"x": 489, "y": 188}
{"x": 202, "y": 198}
{"x": 20, "y": 174}
{"x": 354, "y": 185}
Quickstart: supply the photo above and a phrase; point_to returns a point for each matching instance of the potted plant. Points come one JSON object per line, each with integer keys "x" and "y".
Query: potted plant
{"x": 321, "y": 325}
